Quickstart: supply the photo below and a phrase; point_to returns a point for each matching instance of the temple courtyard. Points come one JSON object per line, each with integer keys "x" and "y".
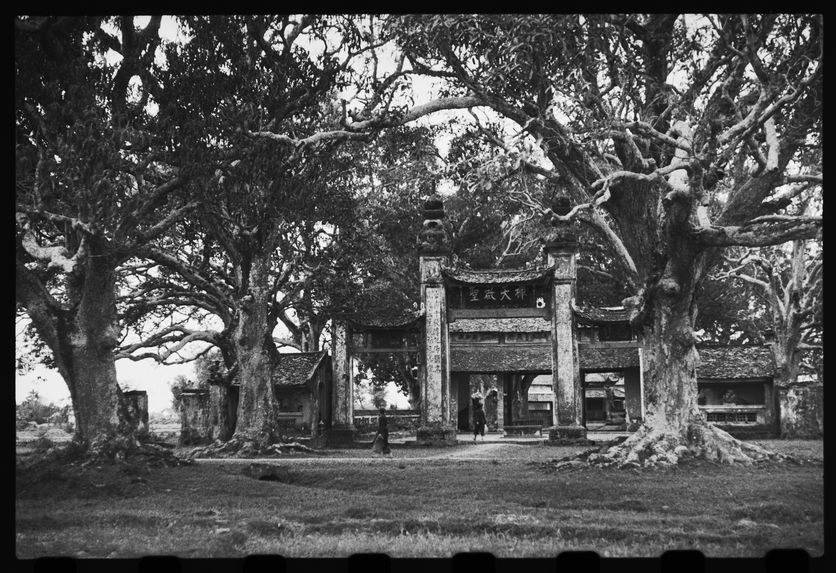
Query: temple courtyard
{"x": 499, "y": 496}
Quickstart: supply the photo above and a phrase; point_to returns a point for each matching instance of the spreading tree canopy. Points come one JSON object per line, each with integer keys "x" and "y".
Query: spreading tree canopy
{"x": 94, "y": 184}
{"x": 673, "y": 136}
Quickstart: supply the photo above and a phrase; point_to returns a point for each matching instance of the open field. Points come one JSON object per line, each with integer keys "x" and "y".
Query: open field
{"x": 27, "y": 437}
{"x": 421, "y": 503}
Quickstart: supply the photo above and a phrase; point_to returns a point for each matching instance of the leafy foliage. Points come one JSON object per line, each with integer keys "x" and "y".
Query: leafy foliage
{"x": 94, "y": 182}
{"x": 380, "y": 369}
{"x": 730, "y": 315}
{"x": 33, "y": 409}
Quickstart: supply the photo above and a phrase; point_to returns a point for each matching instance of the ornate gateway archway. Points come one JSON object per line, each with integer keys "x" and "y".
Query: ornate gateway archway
{"x": 513, "y": 323}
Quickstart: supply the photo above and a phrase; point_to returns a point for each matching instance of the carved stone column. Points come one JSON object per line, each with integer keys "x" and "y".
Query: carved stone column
{"x": 436, "y": 427}
{"x": 561, "y": 251}
{"x": 500, "y": 402}
{"x": 342, "y": 430}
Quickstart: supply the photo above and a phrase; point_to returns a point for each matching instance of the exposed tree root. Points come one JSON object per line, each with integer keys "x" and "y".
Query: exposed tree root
{"x": 242, "y": 448}
{"x": 650, "y": 447}
{"x": 141, "y": 453}
{"x": 116, "y": 450}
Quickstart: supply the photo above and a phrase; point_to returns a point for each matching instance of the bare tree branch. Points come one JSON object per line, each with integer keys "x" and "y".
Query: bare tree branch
{"x": 55, "y": 256}
{"x": 760, "y": 232}
{"x": 179, "y": 335}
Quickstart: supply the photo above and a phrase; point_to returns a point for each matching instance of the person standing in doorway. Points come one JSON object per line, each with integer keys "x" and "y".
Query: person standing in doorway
{"x": 381, "y": 440}
{"x": 479, "y": 421}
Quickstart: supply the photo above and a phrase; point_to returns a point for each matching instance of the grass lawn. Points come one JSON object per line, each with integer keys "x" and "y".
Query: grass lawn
{"x": 422, "y": 503}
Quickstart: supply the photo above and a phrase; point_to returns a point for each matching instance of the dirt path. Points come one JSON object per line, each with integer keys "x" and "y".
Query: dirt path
{"x": 480, "y": 452}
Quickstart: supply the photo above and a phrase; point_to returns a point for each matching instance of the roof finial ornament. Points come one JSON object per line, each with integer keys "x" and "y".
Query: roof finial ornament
{"x": 433, "y": 238}
{"x": 565, "y": 232}
{"x": 562, "y": 205}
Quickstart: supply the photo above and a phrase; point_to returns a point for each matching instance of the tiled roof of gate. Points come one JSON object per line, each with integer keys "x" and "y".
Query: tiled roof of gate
{"x": 496, "y": 276}
{"x": 597, "y": 358}
{"x": 499, "y": 358}
{"x": 728, "y": 362}
{"x": 520, "y": 324}
{"x": 716, "y": 362}
{"x": 592, "y": 315}
{"x": 296, "y": 369}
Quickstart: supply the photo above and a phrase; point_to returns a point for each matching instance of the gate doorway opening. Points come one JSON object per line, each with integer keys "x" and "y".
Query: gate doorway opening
{"x": 508, "y": 399}
{"x": 473, "y": 388}
{"x": 611, "y": 400}
{"x": 529, "y": 399}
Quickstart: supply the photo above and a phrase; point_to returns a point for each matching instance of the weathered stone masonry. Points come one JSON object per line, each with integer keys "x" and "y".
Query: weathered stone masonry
{"x": 561, "y": 256}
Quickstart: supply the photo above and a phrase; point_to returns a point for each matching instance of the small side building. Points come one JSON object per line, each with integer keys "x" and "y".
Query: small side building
{"x": 801, "y": 403}
{"x": 302, "y": 389}
{"x": 735, "y": 383}
{"x": 736, "y": 389}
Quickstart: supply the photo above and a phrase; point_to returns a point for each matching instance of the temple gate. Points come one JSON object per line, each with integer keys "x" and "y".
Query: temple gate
{"x": 516, "y": 324}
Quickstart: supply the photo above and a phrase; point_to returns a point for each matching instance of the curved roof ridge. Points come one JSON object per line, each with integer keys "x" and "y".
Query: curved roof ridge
{"x": 602, "y": 314}
{"x": 485, "y": 276}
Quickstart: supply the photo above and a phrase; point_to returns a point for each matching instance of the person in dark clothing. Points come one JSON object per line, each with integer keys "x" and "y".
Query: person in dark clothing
{"x": 479, "y": 421}
{"x": 381, "y": 440}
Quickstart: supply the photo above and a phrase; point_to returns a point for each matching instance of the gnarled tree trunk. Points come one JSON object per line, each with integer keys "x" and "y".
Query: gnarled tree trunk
{"x": 674, "y": 426}
{"x": 670, "y": 363}
{"x": 89, "y": 348}
{"x": 256, "y": 355}
{"x": 82, "y": 336}
{"x": 787, "y": 362}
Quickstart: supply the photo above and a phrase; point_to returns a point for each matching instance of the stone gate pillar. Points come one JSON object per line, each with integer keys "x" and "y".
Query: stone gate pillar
{"x": 561, "y": 251}
{"x": 221, "y": 422}
{"x": 136, "y": 411}
{"x": 500, "y": 402}
{"x": 195, "y": 426}
{"x": 342, "y": 429}
{"x": 436, "y": 417}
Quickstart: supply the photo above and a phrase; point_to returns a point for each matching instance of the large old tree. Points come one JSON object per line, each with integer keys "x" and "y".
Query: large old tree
{"x": 231, "y": 286}
{"x": 672, "y": 136}
{"x": 92, "y": 187}
{"x": 255, "y": 101}
{"x": 271, "y": 229}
